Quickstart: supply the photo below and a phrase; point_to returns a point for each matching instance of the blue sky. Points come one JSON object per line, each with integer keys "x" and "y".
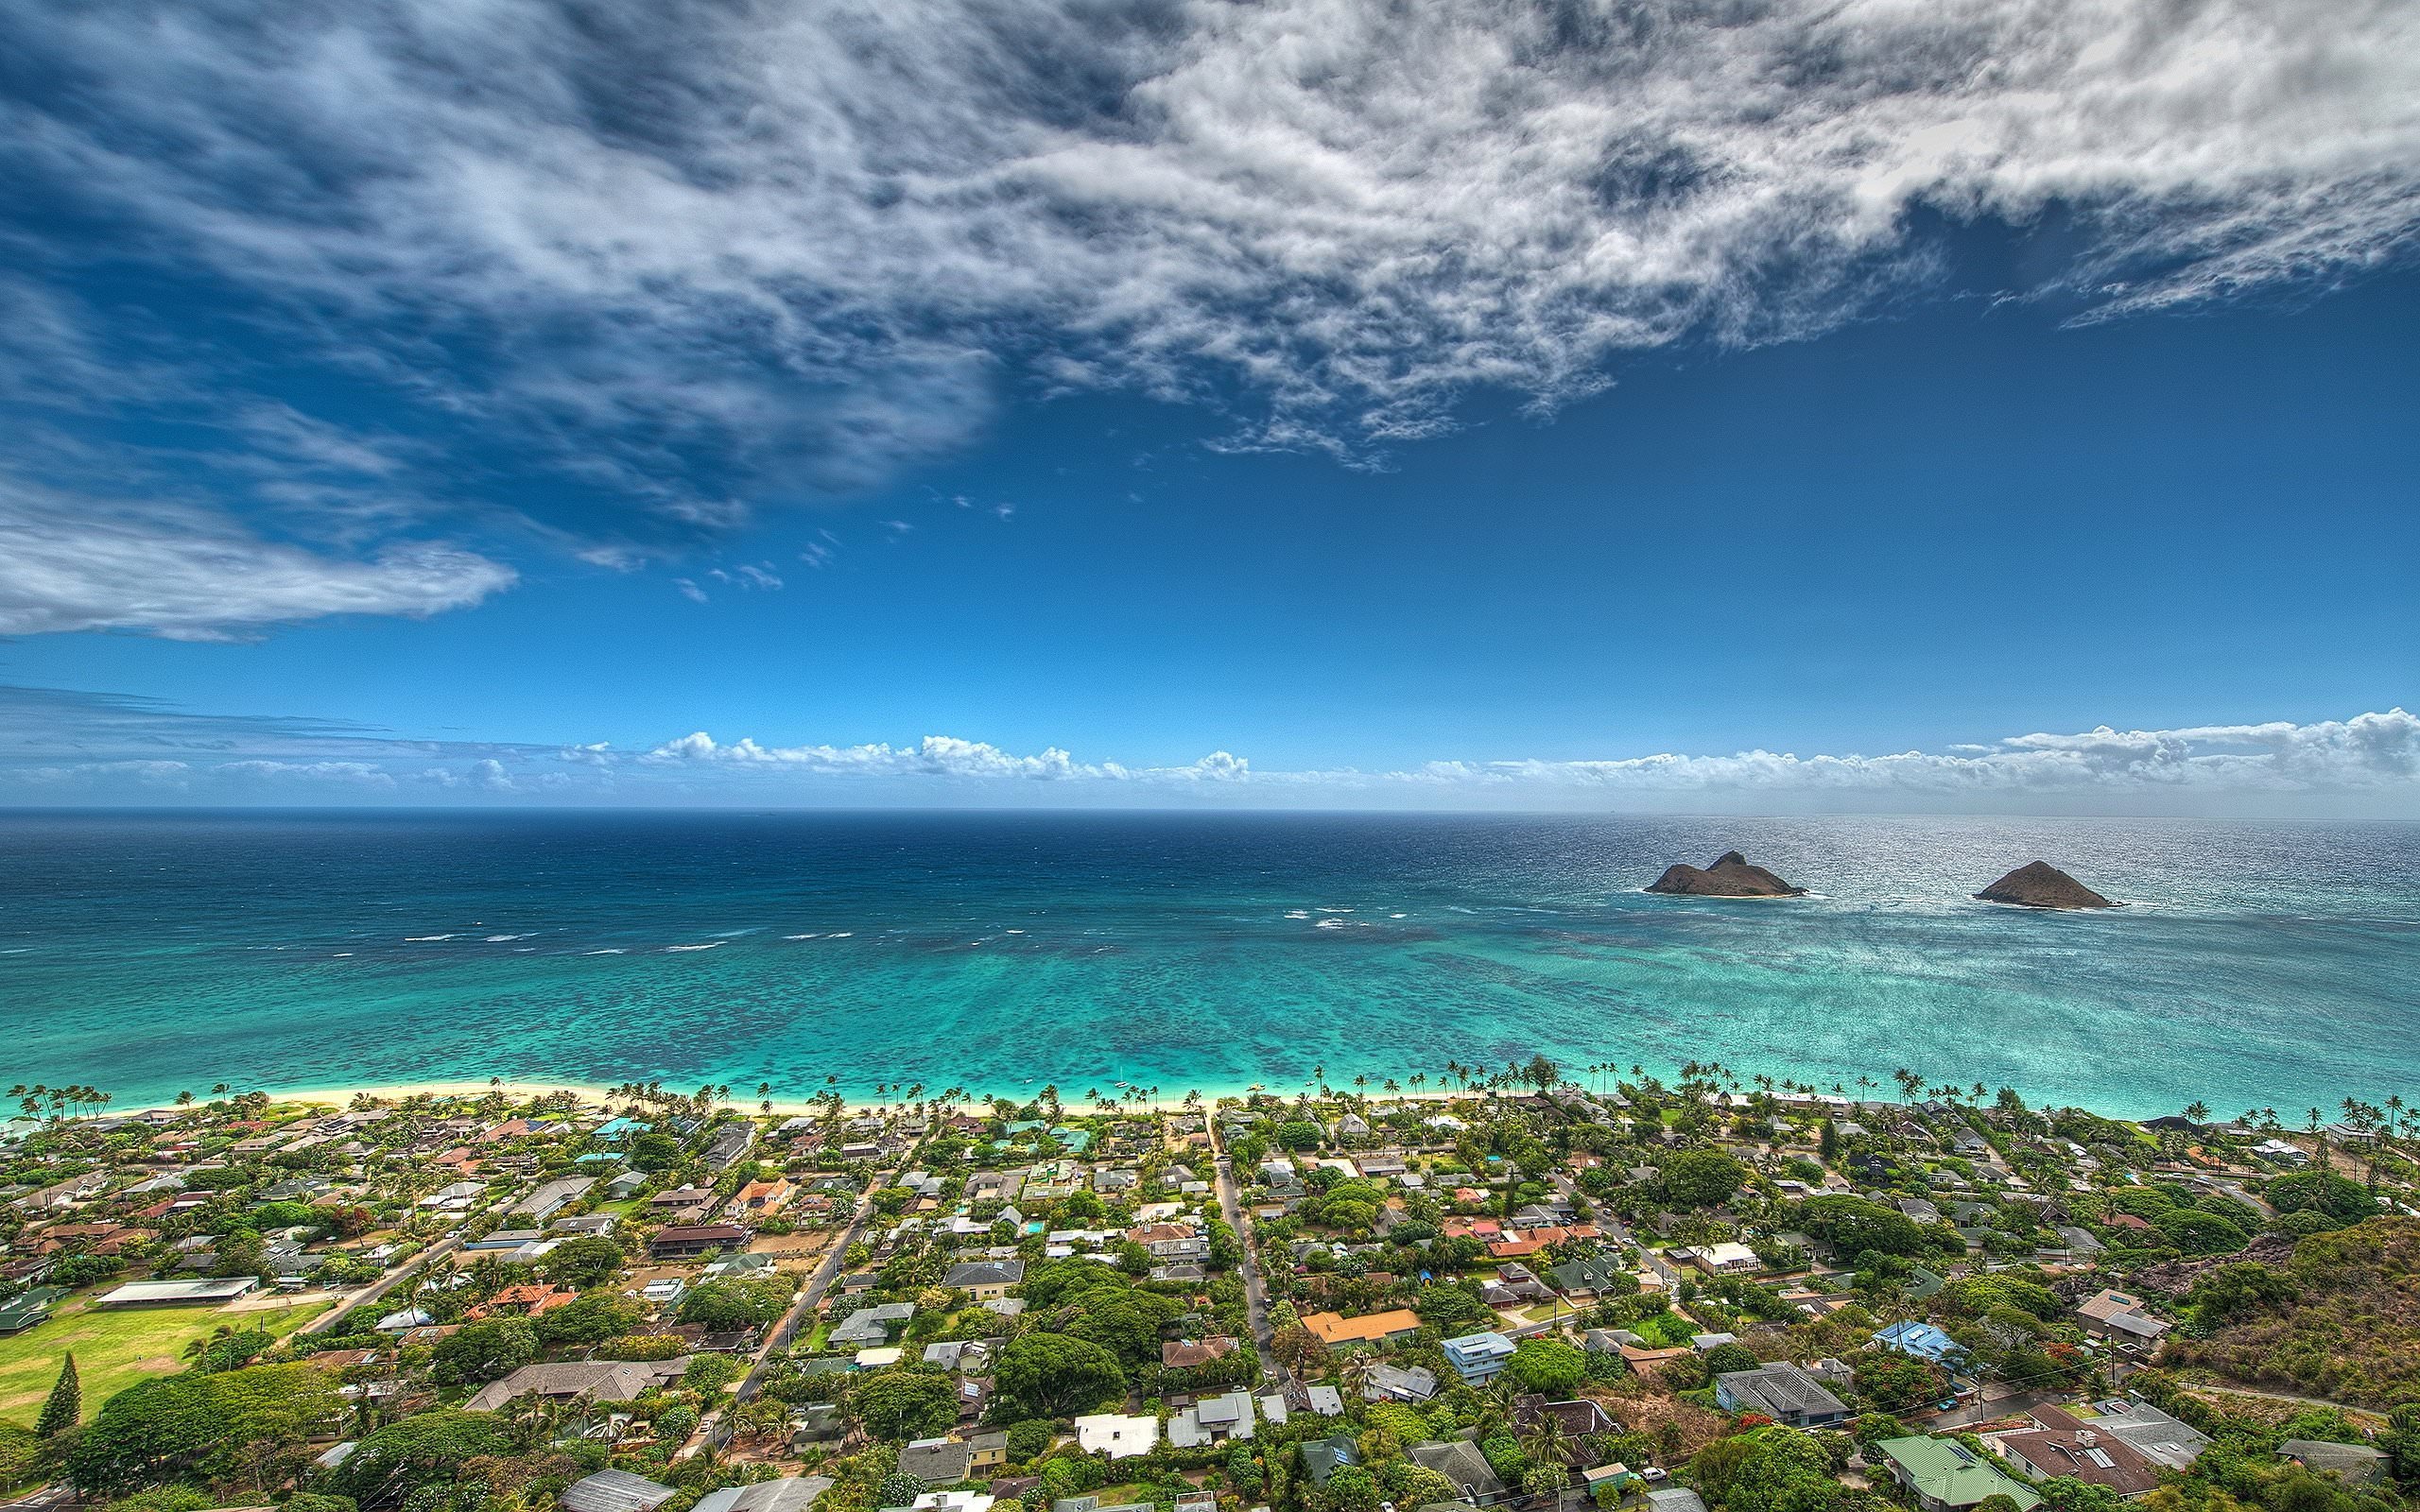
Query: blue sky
{"x": 1206, "y": 408}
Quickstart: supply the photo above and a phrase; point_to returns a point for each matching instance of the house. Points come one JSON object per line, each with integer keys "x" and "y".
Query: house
{"x": 2064, "y": 1445}
{"x": 2352, "y": 1463}
{"x": 1184, "y": 1354}
{"x": 1412, "y": 1383}
{"x": 1572, "y": 1418}
{"x": 689, "y": 1240}
{"x": 1588, "y": 1276}
{"x": 935, "y": 1461}
{"x": 1478, "y": 1357}
{"x": 627, "y": 1185}
{"x": 613, "y": 1491}
{"x": 984, "y": 1280}
{"x": 1459, "y": 1461}
{"x": 1323, "y": 1458}
{"x": 1212, "y": 1420}
{"x": 2278, "y": 1152}
{"x": 595, "y": 1381}
{"x": 1944, "y": 1474}
{"x": 792, "y": 1493}
{"x": 1339, "y": 1332}
{"x": 761, "y": 1198}
{"x": 28, "y": 1308}
{"x": 870, "y": 1325}
{"x": 524, "y": 1300}
{"x": 1782, "y": 1392}
{"x": 957, "y": 1354}
{"x": 2151, "y": 1432}
{"x": 1727, "y": 1258}
{"x": 2117, "y": 1315}
{"x": 730, "y": 1142}
{"x": 1325, "y": 1400}
{"x": 1116, "y": 1434}
{"x": 553, "y": 1198}
{"x": 1921, "y": 1339}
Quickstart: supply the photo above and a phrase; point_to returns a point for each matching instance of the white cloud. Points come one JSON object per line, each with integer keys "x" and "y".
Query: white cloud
{"x": 59, "y": 744}
{"x": 819, "y": 232}
{"x": 85, "y": 564}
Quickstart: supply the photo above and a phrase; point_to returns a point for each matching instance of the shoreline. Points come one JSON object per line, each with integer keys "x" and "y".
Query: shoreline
{"x": 340, "y": 1098}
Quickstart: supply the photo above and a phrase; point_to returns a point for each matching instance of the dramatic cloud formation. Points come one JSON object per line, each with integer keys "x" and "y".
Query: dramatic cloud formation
{"x": 662, "y": 250}
{"x": 68, "y": 746}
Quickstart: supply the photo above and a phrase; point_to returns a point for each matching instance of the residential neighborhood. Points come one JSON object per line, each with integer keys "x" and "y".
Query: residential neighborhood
{"x": 1535, "y": 1289}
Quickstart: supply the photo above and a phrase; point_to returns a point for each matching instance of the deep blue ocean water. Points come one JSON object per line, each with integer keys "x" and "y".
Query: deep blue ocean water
{"x": 2262, "y": 965}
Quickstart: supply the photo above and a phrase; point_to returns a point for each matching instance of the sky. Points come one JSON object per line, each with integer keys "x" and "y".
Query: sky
{"x": 1871, "y": 407}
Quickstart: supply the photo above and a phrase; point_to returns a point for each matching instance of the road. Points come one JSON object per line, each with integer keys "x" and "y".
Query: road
{"x": 1264, "y": 1338}
{"x": 825, "y": 1273}
{"x": 380, "y": 1287}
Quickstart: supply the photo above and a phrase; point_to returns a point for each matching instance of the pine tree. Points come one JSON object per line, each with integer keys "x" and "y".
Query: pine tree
{"x": 66, "y": 1404}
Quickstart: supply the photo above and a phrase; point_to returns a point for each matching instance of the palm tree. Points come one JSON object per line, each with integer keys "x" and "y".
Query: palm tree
{"x": 2197, "y": 1111}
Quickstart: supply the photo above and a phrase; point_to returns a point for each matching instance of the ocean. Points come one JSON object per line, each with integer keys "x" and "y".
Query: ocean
{"x": 2260, "y": 965}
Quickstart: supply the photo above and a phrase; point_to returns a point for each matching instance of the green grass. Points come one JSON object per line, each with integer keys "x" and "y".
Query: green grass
{"x": 113, "y": 1351}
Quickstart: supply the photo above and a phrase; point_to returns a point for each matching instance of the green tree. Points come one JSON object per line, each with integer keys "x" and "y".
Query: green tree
{"x": 64, "y": 1406}
{"x": 1053, "y": 1375}
{"x": 1724, "y": 1358}
{"x": 581, "y": 1264}
{"x": 484, "y": 1351}
{"x": 1702, "y": 1179}
{"x": 896, "y": 1405}
{"x": 1547, "y": 1365}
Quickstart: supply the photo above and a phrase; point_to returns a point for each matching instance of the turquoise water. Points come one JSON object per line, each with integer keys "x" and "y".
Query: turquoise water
{"x": 2263, "y": 965}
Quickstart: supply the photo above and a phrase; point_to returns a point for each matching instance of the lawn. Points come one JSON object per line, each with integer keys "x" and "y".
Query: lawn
{"x": 115, "y": 1350}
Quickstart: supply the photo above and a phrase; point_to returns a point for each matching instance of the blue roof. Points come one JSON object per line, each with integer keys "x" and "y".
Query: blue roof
{"x": 1919, "y": 1338}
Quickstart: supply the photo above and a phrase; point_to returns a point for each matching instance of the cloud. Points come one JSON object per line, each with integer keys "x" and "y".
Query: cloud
{"x": 85, "y": 564}
{"x": 817, "y": 240}
{"x": 57, "y": 744}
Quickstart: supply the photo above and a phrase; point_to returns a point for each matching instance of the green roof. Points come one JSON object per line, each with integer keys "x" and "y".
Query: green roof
{"x": 1947, "y": 1471}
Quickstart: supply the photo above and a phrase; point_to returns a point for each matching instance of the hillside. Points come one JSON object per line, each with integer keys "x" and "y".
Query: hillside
{"x": 2344, "y": 1323}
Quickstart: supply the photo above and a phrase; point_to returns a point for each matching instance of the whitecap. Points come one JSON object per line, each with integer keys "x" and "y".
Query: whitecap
{"x": 844, "y": 934}
{"x": 339, "y": 956}
{"x": 802, "y": 937}
{"x": 1330, "y": 923}
{"x": 1325, "y": 910}
{"x": 1398, "y": 916}
{"x": 416, "y": 939}
{"x": 498, "y": 939}
{"x": 614, "y": 951}
{"x": 1017, "y": 932}
{"x": 708, "y": 946}
{"x": 735, "y": 933}
{"x": 1298, "y": 912}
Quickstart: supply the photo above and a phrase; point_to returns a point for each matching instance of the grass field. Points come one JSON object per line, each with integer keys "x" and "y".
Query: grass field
{"x": 115, "y": 1350}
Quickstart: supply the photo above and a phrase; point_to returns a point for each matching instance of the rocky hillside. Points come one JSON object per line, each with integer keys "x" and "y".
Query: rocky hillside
{"x": 2040, "y": 884}
{"x": 1730, "y": 876}
{"x": 2341, "y": 1319}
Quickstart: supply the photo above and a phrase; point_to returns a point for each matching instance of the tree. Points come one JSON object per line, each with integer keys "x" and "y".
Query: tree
{"x": 898, "y": 1489}
{"x": 591, "y": 1319}
{"x": 1702, "y": 1179}
{"x": 484, "y": 1351}
{"x": 2340, "y": 1197}
{"x": 1547, "y": 1365}
{"x": 582, "y": 1262}
{"x": 1855, "y": 1225}
{"x": 1724, "y": 1358}
{"x": 231, "y": 1424}
{"x": 728, "y": 1305}
{"x": 65, "y": 1407}
{"x": 424, "y": 1448}
{"x": 2201, "y": 1233}
{"x": 1053, "y": 1375}
{"x": 897, "y": 1404}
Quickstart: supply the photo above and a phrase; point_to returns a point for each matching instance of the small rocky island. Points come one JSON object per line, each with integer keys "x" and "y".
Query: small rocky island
{"x": 2040, "y": 884}
{"x": 1730, "y": 876}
